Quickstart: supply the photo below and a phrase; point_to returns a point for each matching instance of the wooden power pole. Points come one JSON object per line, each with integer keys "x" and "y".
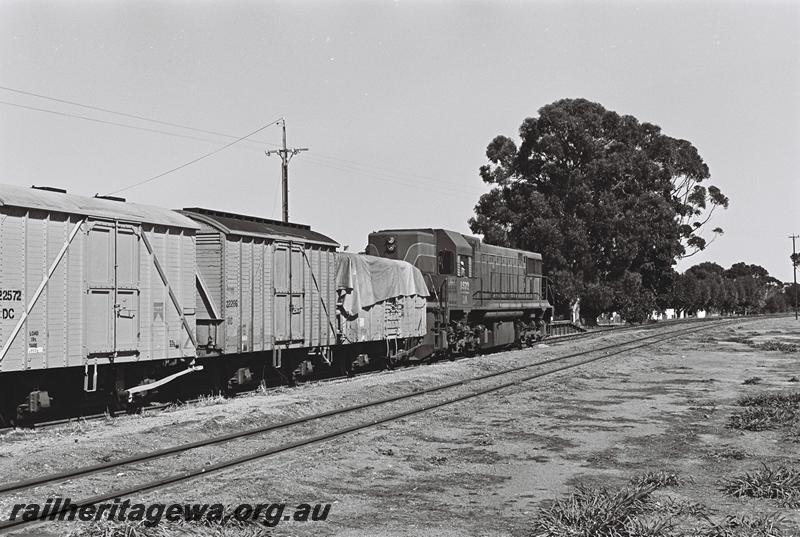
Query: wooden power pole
{"x": 286, "y": 155}
{"x": 794, "y": 267}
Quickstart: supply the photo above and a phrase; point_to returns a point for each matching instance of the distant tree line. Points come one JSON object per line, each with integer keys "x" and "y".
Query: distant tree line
{"x": 612, "y": 203}
{"x": 741, "y": 289}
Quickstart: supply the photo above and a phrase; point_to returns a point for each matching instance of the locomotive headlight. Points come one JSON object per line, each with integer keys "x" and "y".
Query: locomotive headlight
{"x": 390, "y": 240}
{"x": 390, "y": 245}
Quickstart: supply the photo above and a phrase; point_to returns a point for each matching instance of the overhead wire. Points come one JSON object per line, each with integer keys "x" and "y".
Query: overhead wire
{"x": 314, "y": 160}
{"x": 139, "y": 183}
{"x": 110, "y": 111}
{"x": 319, "y": 156}
{"x": 106, "y": 122}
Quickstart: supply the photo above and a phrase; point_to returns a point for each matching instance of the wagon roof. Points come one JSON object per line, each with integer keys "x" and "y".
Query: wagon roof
{"x": 253, "y": 226}
{"x": 53, "y": 201}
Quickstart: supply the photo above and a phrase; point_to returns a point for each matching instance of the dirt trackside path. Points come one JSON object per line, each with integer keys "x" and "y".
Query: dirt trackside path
{"x": 489, "y": 466}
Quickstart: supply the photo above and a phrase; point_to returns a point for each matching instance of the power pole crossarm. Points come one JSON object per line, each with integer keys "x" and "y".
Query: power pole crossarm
{"x": 286, "y": 155}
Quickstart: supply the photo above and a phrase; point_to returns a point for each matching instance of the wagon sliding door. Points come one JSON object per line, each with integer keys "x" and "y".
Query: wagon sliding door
{"x": 288, "y": 292}
{"x": 112, "y": 293}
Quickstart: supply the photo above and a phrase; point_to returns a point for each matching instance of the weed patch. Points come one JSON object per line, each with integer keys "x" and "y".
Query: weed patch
{"x": 775, "y": 345}
{"x": 659, "y": 480}
{"x": 776, "y": 399}
{"x": 766, "y": 411}
{"x": 173, "y": 529}
{"x": 601, "y": 512}
{"x": 775, "y": 483}
{"x": 744, "y": 526}
{"x": 633, "y": 511}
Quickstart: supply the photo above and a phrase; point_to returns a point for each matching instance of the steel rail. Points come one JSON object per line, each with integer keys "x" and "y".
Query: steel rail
{"x": 650, "y": 340}
{"x": 86, "y": 470}
{"x": 161, "y": 406}
{"x": 553, "y": 339}
{"x": 91, "y": 469}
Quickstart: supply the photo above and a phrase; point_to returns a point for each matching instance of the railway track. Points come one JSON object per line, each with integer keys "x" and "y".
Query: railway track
{"x": 163, "y": 405}
{"x": 516, "y": 376}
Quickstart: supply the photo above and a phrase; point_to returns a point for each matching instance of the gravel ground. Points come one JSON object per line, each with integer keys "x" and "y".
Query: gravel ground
{"x": 480, "y": 467}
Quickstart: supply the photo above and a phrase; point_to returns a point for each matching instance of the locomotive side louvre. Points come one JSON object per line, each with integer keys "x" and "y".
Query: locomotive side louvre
{"x": 262, "y": 284}
{"x": 78, "y": 284}
{"x": 509, "y": 278}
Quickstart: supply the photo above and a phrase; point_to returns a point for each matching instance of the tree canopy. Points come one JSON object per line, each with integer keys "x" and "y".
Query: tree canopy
{"x": 610, "y": 202}
{"x": 741, "y": 289}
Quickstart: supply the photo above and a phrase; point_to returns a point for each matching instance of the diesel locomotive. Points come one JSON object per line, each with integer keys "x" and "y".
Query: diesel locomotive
{"x": 481, "y": 296}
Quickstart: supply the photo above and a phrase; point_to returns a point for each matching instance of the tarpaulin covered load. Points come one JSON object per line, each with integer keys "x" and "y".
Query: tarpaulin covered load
{"x": 365, "y": 280}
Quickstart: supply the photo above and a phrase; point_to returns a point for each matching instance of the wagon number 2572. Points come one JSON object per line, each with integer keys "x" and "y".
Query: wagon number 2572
{"x": 7, "y": 294}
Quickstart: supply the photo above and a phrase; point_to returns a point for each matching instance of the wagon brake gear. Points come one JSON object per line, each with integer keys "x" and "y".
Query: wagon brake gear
{"x": 131, "y": 392}
{"x": 37, "y": 402}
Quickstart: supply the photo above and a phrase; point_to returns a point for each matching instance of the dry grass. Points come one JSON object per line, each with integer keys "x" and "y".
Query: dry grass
{"x": 658, "y": 479}
{"x": 602, "y": 513}
{"x": 779, "y": 483}
{"x": 744, "y": 526}
{"x": 771, "y": 345}
{"x": 776, "y": 345}
{"x": 767, "y": 411}
{"x": 634, "y": 511}
{"x": 683, "y": 508}
{"x": 762, "y": 418}
{"x": 171, "y": 529}
{"x": 770, "y": 399}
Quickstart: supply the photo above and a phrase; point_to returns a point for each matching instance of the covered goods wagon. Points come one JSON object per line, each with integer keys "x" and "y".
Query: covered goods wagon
{"x": 262, "y": 285}
{"x": 90, "y": 286}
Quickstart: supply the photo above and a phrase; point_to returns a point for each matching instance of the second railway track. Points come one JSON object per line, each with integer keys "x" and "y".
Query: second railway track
{"x": 519, "y": 375}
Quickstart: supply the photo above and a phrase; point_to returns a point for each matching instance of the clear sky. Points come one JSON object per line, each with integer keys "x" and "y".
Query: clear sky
{"x": 396, "y": 101}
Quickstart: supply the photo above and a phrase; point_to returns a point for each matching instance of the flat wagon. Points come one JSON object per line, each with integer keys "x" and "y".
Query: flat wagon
{"x": 382, "y": 308}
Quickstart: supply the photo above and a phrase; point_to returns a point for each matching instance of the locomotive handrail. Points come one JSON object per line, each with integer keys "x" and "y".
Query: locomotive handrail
{"x": 506, "y": 294}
